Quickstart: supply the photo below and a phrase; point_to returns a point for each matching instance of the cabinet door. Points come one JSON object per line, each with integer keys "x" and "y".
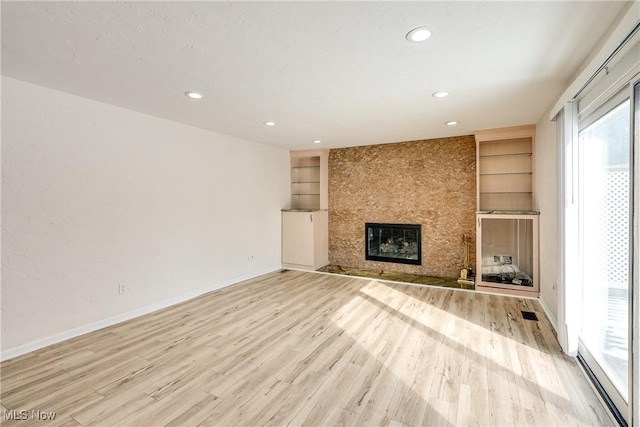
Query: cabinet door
{"x": 297, "y": 238}
{"x": 508, "y": 253}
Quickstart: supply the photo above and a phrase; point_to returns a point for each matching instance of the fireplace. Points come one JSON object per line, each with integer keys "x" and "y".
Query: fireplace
{"x": 393, "y": 243}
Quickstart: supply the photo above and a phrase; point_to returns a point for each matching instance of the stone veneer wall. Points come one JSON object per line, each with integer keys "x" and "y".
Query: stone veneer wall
{"x": 430, "y": 182}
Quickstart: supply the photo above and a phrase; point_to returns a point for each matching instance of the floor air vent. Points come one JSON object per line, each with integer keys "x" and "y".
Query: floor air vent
{"x": 529, "y": 315}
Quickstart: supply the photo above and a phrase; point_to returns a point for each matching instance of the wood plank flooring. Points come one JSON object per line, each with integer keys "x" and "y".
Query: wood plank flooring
{"x": 297, "y": 348}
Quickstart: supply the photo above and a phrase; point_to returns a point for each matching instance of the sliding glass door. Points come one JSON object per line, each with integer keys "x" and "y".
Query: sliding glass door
{"x": 605, "y": 199}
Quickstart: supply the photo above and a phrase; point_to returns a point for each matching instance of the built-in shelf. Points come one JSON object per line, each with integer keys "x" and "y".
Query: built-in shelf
{"x": 506, "y": 173}
{"x": 309, "y": 170}
{"x": 507, "y": 229}
{"x": 305, "y": 225}
{"x": 506, "y": 192}
{"x": 505, "y": 168}
{"x": 505, "y": 154}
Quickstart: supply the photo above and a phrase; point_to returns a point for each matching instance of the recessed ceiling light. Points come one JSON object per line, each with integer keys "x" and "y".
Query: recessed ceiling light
{"x": 440, "y": 94}
{"x": 270, "y": 123}
{"x": 316, "y": 141}
{"x": 419, "y": 34}
{"x": 451, "y": 123}
{"x": 193, "y": 95}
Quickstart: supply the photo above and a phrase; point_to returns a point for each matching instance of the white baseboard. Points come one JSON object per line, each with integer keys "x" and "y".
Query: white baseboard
{"x": 551, "y": 317}
{"x": 54, "y": 339}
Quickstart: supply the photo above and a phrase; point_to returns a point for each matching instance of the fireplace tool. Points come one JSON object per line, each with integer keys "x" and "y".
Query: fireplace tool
{"x": 466, "y": 273}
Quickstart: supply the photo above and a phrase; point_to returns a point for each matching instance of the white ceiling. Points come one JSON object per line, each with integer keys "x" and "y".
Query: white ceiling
{"x": 341, "y": 72}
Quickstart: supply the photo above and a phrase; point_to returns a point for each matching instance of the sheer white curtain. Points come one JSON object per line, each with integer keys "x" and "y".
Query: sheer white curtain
{"x": 569, "y": 292}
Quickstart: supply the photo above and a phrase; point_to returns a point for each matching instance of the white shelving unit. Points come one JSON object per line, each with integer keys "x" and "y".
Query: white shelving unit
{"x": 305, "y": 183}
{"x": 309, "y": 179}
{"x": 507, "y": 227}
{"x": 305, "y": 226}
{"x": 505, "y": 168}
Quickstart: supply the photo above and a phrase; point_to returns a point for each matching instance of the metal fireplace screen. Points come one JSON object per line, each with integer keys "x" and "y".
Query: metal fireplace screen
{"x": 393, "y": 243}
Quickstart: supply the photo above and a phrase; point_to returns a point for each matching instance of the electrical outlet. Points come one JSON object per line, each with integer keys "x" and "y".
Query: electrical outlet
{"x": 122, "y": 288}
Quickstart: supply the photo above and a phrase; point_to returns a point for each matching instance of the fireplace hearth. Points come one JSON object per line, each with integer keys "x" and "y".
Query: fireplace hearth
{"x": 399, "y": 243}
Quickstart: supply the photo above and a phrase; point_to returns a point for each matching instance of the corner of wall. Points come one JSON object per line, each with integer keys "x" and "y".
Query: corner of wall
{"x": 551, "y": 314}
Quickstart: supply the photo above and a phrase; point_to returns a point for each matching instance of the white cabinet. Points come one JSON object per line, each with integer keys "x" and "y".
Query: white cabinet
{"x": 305, "y": 242}
{"x": 507, "y": 253}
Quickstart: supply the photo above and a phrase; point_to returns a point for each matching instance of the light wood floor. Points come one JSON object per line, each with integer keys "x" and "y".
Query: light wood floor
{"x": 298, "y": 348}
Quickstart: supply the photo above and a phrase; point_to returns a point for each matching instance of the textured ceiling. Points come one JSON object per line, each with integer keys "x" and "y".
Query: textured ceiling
{"x": 341, "y": 72}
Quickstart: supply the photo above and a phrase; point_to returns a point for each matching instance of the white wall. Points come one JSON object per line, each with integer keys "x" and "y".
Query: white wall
{"x": 546, "y": 202}
{"x": 95, "y": 195}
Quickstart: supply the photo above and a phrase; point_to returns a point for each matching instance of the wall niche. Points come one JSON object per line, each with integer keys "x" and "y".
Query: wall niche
{"x": 429, "y": 182}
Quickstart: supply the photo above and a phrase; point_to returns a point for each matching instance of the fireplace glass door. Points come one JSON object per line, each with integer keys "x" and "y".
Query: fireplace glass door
{"x": 398, "y": 243}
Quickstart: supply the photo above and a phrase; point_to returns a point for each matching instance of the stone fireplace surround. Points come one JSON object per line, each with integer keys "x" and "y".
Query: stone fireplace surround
{"x": 430, "y": 182}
